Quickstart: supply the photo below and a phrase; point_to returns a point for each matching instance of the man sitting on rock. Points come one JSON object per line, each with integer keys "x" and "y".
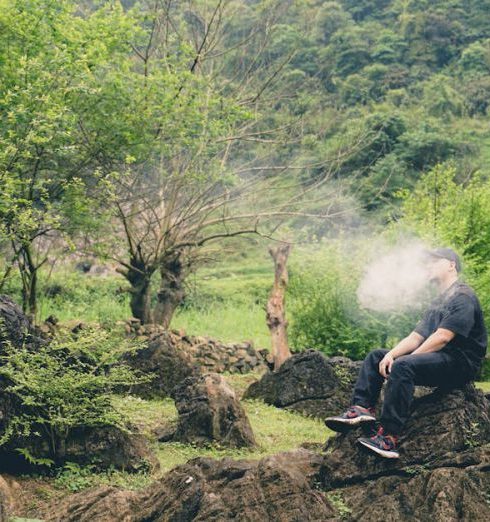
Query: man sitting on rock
{"x": 445, "y": 349}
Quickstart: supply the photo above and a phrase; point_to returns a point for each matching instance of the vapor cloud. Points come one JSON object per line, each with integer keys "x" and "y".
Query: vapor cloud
{"x": 396, "y": 280}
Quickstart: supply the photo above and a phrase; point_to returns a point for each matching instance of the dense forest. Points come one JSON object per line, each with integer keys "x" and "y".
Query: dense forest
{"x": 151, "y": 151}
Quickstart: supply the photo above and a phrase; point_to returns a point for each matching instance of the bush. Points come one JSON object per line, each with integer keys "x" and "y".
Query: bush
{"x": 324, "y": 312}
{"x": 62, "y": 386}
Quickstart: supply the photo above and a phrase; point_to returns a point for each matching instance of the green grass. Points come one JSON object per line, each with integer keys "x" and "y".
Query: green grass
{"x": 146, "y": 415}
{"x": 485, "y": 386}
{"x": 275, "y": 430}
{"x": 79, "y": 297}
{"x": 226, "y": 322}
{"x": 225, "y": 301}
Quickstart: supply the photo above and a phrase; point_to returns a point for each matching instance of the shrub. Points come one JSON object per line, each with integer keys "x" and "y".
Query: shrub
{"x": 61, "y": 386}
{"x": 324, "y": 312}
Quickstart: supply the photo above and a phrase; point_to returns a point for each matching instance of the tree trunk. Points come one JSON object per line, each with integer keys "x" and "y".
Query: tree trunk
{"x": 28, "y": 274}
{"x": 172, "y": 291}
{"x": 139, "y": 277}
{"x": 276, "y": 313}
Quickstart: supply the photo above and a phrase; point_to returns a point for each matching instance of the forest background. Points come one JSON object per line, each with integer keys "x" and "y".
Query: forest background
{"x": 176, "y": 140}
{"x": 152, "y": 151}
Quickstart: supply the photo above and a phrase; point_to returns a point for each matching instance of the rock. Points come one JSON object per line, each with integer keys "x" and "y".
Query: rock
{"x": 105, "y": 447}
{"x": 275, "y": 489}
{"x": 103, "y": 504}
{"x": 83, "y": 266}
{"x": 309, "y": 383}
{"x": 203, "y": 351}
{"x": 440, "y": 495}
{"x": 441, "y": 426}
{"x": 163, "y": 360}
{"x": 109, "y": 446}
{"x": 209, "y": 411}
{"x": 16, "y": 327}
{"x": 53, "y": 290}
{"x": 443, "y": 476}
{"x": 164, "y": 432}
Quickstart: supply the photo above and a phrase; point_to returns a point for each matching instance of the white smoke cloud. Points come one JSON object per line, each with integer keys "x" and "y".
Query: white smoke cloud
{"x": 396, "y": 280}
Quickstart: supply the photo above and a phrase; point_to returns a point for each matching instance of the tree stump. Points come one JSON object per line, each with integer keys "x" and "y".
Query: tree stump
{"x": 276, "y": 312}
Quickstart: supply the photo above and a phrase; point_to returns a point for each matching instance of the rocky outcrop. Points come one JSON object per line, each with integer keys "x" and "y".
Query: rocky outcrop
{"x": 15, "y": 327}
{"x": 443, "y": 475}
{"x": 209, "y": 411}
{"x": 441, "y": 424}
{"x": 165, "y": 363}
{"x": 309, "y": 383}
{"x": 275, "y": 489}
{"x": 445, "y": 494}
{"x": 104, "y": 447}
{"x": 109, "y": 446}
{"x": 208, "y": 354}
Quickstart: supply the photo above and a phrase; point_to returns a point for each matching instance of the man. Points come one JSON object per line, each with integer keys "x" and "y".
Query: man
{"x": 445, "y": 349}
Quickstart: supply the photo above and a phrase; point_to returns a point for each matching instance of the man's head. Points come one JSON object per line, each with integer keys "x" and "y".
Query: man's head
{"x": 444, "y": 264}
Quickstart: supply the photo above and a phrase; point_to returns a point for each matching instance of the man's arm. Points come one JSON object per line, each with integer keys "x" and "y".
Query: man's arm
{"x": 435, "y": 342}
{"x": 406, "y": 345}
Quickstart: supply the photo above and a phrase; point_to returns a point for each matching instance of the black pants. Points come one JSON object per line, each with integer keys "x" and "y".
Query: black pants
{"x": 430, "y": 369}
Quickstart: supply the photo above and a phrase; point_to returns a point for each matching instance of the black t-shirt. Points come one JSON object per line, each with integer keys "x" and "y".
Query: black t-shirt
{"x": 458, "y": 310}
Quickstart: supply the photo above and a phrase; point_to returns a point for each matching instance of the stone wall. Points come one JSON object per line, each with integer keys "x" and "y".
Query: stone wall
{"x": 208, "y": 354}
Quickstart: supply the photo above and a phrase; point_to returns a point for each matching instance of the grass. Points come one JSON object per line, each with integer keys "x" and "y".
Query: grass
{"x": 225, "y": 301}
{"x": 146, "y": 416}
{"x": 226, "y": 322}
{"x": 485, "y": 386}
{"x": 275, "y": 430}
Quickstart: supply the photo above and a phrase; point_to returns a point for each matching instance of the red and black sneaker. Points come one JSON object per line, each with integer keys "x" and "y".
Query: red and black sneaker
{"x": 354, "y": 416}
{"x": 382, "y": 444}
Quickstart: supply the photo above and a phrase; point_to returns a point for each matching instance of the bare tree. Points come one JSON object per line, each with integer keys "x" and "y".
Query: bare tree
{"x": 189, "y": 193}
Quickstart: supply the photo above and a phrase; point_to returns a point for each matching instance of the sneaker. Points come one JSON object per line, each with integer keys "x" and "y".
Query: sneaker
{"x": 382, "y": 444}
{"x": 354, "y": 416}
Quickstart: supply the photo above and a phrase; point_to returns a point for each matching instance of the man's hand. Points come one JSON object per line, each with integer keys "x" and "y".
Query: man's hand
{"x": 385, "y": 365}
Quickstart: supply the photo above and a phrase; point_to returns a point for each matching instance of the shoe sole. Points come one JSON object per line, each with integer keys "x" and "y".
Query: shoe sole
{"x": 341, "y": 425}
{"x": 379, "y": 451}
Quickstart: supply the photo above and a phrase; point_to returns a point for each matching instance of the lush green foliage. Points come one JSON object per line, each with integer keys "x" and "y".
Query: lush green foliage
{"x": 323, "y": 307}
{"x": 446, "y": 210}
{"x": 63, "y": 385}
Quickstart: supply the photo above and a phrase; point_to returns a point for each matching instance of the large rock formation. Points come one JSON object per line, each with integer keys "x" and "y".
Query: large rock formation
{"x": 210, "y": 412}
{"x": 444, "y": 494}
{"x": 309, "y": 383}
{"x": 209, "y": 354}
{"x": 165, "y": 363}
{"x": 443, "y": 475}
{"x": 102, "y": 446}
{"x": 442, "y": 424}
{"x": 277, "y": 489}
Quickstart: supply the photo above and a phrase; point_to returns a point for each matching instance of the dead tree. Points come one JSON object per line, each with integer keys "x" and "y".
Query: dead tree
{"x": 276, "y": 309}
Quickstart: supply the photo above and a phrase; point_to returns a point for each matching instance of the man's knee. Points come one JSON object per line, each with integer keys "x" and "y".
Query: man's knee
{"x": 402, "y": 365}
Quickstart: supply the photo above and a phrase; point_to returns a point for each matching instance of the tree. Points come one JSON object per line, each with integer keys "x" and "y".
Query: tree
{"x": 212, "y": 171}
{"x": 55, "y": 92}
